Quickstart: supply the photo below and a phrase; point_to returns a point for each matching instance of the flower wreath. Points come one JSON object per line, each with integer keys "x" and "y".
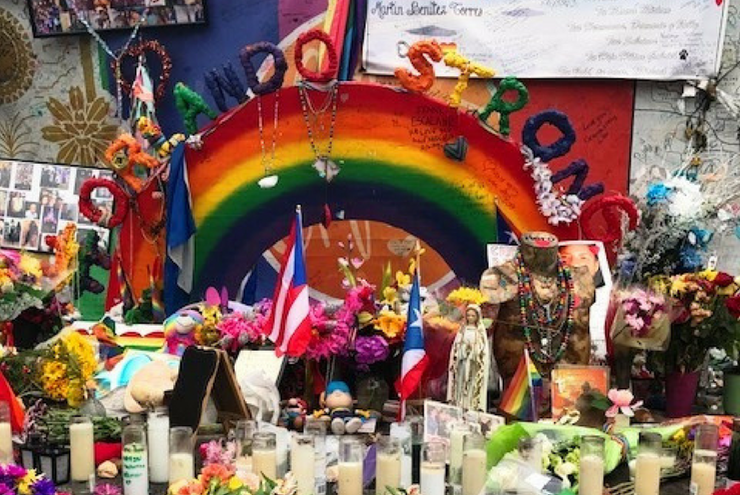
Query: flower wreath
{"x": 95, "y": 214}
{"x": 124, "y": 154}
{"x": 137, "y": 51}
{"x": 325, "y": 75}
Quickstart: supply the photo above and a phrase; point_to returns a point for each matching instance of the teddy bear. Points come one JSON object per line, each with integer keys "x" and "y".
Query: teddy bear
{"x": 180, "y": 329}
{"x": 338, "y": 408}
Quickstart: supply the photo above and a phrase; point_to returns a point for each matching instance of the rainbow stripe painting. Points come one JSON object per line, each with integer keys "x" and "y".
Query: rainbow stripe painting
{"x": 521, "y": 398}
{"x": 389, "y": 145}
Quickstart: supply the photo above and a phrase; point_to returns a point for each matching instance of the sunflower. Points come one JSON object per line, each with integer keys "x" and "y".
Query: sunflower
{"x": 80, "y": 128}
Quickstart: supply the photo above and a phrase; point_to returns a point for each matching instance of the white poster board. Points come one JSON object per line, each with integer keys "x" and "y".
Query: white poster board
{"x": 639, "y": 39}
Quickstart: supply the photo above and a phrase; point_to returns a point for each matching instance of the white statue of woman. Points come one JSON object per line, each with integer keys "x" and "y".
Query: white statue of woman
{"x": 470, "y": 361}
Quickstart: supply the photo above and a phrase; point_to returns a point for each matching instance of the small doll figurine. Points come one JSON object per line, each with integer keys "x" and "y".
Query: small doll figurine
{"x": 180, "y": 329}
{"x": 294, "y": 414}
{"x": 339, "y": 408}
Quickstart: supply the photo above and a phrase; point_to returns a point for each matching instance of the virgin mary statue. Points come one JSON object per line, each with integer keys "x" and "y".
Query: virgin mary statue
{"x": 470, "y": 361}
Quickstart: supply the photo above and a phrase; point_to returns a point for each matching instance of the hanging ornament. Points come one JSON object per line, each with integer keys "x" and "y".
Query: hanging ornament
{"x": 137, "y": 52}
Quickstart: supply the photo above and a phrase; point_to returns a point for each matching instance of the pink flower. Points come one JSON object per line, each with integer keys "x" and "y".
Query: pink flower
{"x": 634, "y": 321}
{"x": 622, "y": 401}
{"x": 357, "y": 263}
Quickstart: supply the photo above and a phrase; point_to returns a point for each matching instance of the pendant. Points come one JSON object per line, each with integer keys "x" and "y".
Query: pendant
{"x": 268, "y": 181}
{"x": 326, "y": 168}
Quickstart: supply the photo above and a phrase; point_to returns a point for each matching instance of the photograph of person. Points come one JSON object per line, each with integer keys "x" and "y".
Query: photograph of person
{"x": 31, "y": 210}
{"x": 6, "y": 170}
{"x": 12, "y": 233}
{"x": 30, "y": 234}
{"x": 49, "y": 219}
{"x": 3, "y": 203}
{"x": 17, "y": 204}
{"x": 23, "y": 176}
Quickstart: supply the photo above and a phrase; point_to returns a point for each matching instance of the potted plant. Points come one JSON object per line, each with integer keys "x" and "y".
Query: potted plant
{"x": 703, "y": 318}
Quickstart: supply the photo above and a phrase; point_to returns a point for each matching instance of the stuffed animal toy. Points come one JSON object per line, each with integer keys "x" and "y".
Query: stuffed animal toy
{"x": 293, "y": 415}
{"x": 180, "y": 329}
{"x": 338, "y": 408}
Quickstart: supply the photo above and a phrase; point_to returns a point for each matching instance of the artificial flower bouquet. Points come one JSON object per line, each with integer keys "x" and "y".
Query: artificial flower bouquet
{"x": 642, "y": 319}
{"x": 65, "y": 368}
{"x": 20, "y": 284}
{"x": 16, "y": 480}
{"x": 217, "y": 479}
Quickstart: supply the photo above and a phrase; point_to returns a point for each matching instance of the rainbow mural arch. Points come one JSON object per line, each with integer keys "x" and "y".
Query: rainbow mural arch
{"x": 389, "y": 145}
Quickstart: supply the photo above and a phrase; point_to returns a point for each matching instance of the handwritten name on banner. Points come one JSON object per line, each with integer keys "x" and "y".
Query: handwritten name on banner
{"x": 640, "y": 39}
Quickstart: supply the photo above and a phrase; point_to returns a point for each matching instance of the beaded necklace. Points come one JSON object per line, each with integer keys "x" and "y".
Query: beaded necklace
{"x": 550, "y": 322}
{"x": 326, "y": 168}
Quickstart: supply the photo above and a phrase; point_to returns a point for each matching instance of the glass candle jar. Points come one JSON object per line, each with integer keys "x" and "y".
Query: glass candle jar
{"x": 182, "y": 465}
{"x": 402, "y": 432}
{"x": 351, "y": 456}
{"x": 474, "y": 464}
{"x": 243, "y": 434}
{"x": 704, "y": 462}
{"x": 591, "y": 478}
{"x": 264, "y": 454}
{"x": 387, "y": 465}
{"x": 303, "y": 462}
{"x": 158, "y": 442}
{"x": 457, "y": 436}
{"x": 647, "y": 467}
{"x": 316, "y": 427}
{"x": 432, "y": 470}
{"x": 530, "y": 451}
{"x": 82, "y": 448}
{"x": 6, "y": 435}
{"x": 416, "y": 425}
{"x": 135, "y": 463}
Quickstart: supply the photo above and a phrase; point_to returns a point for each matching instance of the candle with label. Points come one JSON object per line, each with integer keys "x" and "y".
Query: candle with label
{"x": 316, "y": 427}
{"x": 81, "y": 448}
{"x": 264, "y": 454}
{"x": 303, "y": 463}
{"x": 181, "y": 463}
{"x": 6, "y": 434}
{"x": 158, "y": 432}
{"x": 647, "y": 470}
{"x": 704, "y": 462}
{"x": 349, "y": 481}
{"x": 387, "y": 465}
{"x": 432, "y": 469}
{"x": 135, "y": 466}
{"x": 474, "y": 464}
{"x": 591, "y": 470}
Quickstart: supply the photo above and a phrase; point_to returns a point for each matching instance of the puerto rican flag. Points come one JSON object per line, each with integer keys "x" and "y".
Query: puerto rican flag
{"x": 415, "y": 359}
{"x": 289, "y": 324}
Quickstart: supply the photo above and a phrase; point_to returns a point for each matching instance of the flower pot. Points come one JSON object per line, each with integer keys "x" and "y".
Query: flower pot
{"x": 731, "y": 393}
{"x": 680, "y": 393}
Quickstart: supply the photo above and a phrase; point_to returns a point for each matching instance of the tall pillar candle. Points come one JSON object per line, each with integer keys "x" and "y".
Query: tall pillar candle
{"x": 474, "y": 464}
{"x": 351, "y": 456}
{"x": 81, "y": 448}
{"x": 181, "y": 465}
{"x": 6, "y": 435}
{"x": 704, "y": 462}
{"x": 303, "y": 463}
{"x": 402, "y": 432}
{"x": 264, "y": 455}
{"x": 135, "y": 463}
{"x": 387, "y": 465}
{"x": 457, "y": 436}
{"x": 416, "y": 425}
{"x": 647, "y": 468}
{"x": 158, "y": 442}
{"x": 432, "y": 469}
{"x": 316, "y": 427}
{"x": 591, "y": 477}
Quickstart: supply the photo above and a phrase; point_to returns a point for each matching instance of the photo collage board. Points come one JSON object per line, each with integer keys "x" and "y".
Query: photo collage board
{"x": 38, "y": 200}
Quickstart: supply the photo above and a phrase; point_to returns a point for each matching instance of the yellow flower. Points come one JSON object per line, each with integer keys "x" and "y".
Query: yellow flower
{"x": 390, "y": 294}
{"x": 466, "y": 295}
{"x": 708, "y": 274}
{"x": 31, "y": 266}
{"x": 402, "y": 278}
{"x": 679, "y": 286}
{"x": 24, "y": 484}
{"x": 391, "y": 324}
{"x": 235, "y": 484}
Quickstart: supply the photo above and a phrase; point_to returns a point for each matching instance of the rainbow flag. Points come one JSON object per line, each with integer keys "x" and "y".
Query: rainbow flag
{"x": 521, "y": 398}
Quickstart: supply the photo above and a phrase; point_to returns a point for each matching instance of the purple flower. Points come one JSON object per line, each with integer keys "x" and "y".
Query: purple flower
{"x": 43, "y": 487}
{"x": 5, "y": 489}
{"x": 370, "y": 350}
{"x": 107, "y": 489}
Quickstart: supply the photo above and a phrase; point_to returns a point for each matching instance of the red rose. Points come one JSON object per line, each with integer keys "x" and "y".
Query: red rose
{"x": 723, "y": 280}
{"x": 733, "y": 305}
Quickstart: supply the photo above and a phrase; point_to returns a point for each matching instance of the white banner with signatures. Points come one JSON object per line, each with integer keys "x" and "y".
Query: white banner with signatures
{"x": 635, "y": 39}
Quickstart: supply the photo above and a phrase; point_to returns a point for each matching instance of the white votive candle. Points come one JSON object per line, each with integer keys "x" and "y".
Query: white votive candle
{"x": 432, "y": 469}
{"x": 158, "y": 431}
{"x": 457, "y": 437}
{"x": 591, "y": 478}
{"x": 387, "y": 465}
{"x": 264, "y": 455}
{"x": 703, "y": 472}
{"x": 82, "y": 448}
{"x": 474, "y": 464}
{"x": 135, "y": 463}
{"x": 303, "y": 463}
{"x": 351, "y": 456}
{"x": 181, "y": 465}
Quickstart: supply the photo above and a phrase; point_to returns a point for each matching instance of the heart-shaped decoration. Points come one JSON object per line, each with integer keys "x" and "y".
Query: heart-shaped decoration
{"x": 457, "y": 149}
{"x": 401, "y": 247}
{"x": 134, "y": 52}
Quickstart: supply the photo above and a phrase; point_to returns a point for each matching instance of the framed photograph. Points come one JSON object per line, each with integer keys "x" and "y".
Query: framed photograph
{"x": 570, "y": 382}
{"x": 438, "y": 420}
{"x": 60, "y": 17}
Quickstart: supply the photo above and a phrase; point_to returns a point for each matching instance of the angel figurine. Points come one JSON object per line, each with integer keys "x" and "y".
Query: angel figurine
{"x": 470, "y": 361}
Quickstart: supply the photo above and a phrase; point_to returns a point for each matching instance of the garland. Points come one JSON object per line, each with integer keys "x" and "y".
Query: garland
{"x": 326, "y": 75}
{"x": 417, "y": 53}
{"x": 280, "y": 65}
{"x": 95, "y": 214}
{"x": 137, "y": 51}
{"x": 529, "y": 308}
{"x": 555, "y": 207}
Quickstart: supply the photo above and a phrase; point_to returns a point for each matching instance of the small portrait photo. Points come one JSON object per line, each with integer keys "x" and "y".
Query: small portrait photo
{"x": 31, "y": 210}
{"x": 56, "y": 176}
{"x": 49, "y": 219}
{"x": 81, "y": 175}
{"x": 16, "y": 204}
{"x": 12, "y": 233}
{"x": 48, "y": 196}
{"x": 24, "y": 176}
{"x": 70, "y": 211}
{"x": 438, "y": 420}
{"x": 3, "y": 203}
{"x": 30, "y": 234}
{"x": 6, "y": 170}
